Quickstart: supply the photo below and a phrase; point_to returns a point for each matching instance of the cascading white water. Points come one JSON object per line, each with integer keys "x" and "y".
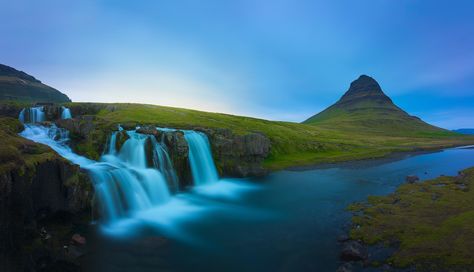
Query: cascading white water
{"x": 122, "y": 181}
{"x": 32, "y": 115}
{"x": 200, "y": 158}
{"x": 132, "y": 190}
{"x": 65, "y": 113}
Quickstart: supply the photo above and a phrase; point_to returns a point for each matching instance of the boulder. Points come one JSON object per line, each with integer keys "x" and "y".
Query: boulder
{"x": 150, "y": 130}
{"x": 412, "y": 179}
{"x": 178, "y": 150}
{"x": 345, "y": 267}
{"x": 78, "y": 239}
{"x": 353, "y": 251}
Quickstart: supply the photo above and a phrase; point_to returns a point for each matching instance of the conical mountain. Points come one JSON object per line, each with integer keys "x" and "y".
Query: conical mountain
{"x": 365, "y": 106}
{"x": 19, "y": 86}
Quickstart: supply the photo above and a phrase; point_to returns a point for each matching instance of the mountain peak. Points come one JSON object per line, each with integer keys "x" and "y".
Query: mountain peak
{"x": 365, "y": 87}
{"x": 366, "y": 107}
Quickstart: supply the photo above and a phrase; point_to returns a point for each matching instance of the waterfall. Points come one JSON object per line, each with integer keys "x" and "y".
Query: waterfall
{"x": 123, "y": 183}
{"x": 32, "y": 115}
{"x": 200, "y": 158}
{"x": 134, "y": 178}
{"x": 65, "y": 113}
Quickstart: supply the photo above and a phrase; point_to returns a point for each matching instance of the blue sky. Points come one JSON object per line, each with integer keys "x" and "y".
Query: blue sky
{"x": 279, "y": 60}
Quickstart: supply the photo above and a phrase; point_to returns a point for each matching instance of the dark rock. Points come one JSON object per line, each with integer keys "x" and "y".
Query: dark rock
{"x": 412, "y": 179}
{"x": 52, "y": 112}
{"x": 10, "y": 110}
{"x": 343, "y": 238}
{"x": 28, "y": 197}
{"x": 150, "y": 130}
{"x": 129, "y": 126}
{"x": 78, "y": 127}
{"x": 120, "y": 139}
{"x": 353, "y": 251}
{"x": 78, "y": 239}
{"x": 178, "y": 150}
{"x": 238, "y": 155}
{"x": 345, "y": 267}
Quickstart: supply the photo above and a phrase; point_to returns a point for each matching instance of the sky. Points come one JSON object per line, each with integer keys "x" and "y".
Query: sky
{"x": 272, "y": 59}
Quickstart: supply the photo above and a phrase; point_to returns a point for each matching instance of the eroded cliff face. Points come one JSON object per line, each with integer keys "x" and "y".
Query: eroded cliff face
{"x": 30, "y": 197}
{"x": 38, "y": 188}
{"x": 238, "y": 155}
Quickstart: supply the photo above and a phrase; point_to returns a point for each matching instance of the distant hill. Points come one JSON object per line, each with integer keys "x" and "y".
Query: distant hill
{"x": 19, "y": 86}
{"x": 366, "y": 107}
{"x": 467, "y": 131}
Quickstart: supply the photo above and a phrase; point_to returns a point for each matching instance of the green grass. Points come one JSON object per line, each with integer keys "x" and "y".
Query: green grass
{"x": 292, "y": 143}
{"x": 433, "y": 223}
{"x": 17, "y": 152}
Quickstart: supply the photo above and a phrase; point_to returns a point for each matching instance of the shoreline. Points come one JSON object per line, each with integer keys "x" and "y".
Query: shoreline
{"x": 354, "y": 163}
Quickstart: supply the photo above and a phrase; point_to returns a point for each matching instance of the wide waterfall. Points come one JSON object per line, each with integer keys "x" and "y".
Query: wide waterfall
{"x": 32, "y": 115}
{"x": 200, "y": 158}
{"x": 65, "y": 113}
{"x": 134, "y": 182}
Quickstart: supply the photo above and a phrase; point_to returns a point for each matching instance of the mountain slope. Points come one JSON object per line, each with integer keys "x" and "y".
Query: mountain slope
{"x": 18, "y": 86}
{"x": 365, "y": 106}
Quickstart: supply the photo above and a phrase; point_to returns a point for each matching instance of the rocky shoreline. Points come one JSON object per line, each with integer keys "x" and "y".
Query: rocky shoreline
{"x": 412, "y": 229}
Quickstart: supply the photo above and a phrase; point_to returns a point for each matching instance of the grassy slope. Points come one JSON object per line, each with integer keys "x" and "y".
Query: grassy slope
{"x": 18, "y": 152}
{"x": 292, "y": 143}
{"x": 433, "y": 222}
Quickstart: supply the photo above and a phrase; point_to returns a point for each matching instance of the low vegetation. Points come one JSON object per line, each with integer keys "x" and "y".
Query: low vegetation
{"x": 431, "y": 224}
{"x": 16, "y": 151}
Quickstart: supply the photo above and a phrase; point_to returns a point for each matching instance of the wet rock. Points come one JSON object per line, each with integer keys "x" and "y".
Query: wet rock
{"x": 74, "y": 252}
{"x": 129, "y": 126}
{"x": 52, "y": 112}
{"x": 412, "y": 179}
{"x": 343, "y": 238}
{"x": 121, "y": 138}
{"x": 150, "y": 130}
{"x": 78, "y": 239}
{"x": 345, "y": 267}
{"x": 353, "y": 251}
{"x": 178, "y": 150}
{"x": 50, "y": 188}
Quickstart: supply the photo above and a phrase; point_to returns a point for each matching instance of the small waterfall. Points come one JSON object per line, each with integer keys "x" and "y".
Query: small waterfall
{"x": 65, "y": 113}
{"x": 200, "y": 158}
{"x": 32, "y": 115}
{"x": 162, "y": 161}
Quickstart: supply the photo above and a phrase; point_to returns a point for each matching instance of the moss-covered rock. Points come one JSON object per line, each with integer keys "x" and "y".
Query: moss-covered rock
{"x": 430, "y": 224}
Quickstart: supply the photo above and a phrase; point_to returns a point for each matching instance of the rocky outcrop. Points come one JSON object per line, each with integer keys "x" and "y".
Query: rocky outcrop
{"x": 85, "y": 137}
{"x": 238, "y": 155}
{"x": 353, "y": 251}
{"x": 31, "y": 196}
{"x": 412, "y": 179}
{"x": 178, "y": 151}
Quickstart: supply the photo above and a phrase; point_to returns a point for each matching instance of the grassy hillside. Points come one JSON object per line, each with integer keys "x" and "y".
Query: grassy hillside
{"x": 432, "y": 222}
{"x": 19, "y": 86}
{"x": 292, "y": 143}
